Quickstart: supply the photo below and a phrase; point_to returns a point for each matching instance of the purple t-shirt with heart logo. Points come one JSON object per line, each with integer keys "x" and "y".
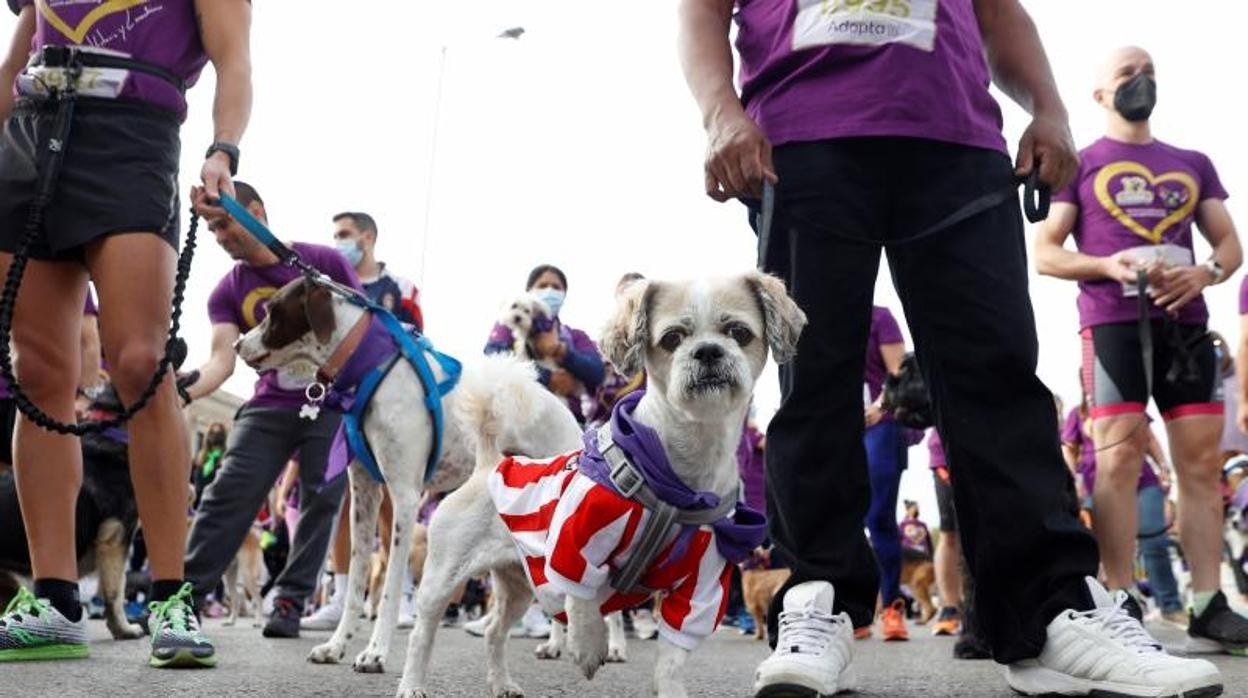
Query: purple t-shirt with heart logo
{"x": 158, "y": 32}
{"x": 1131, "y": 195}
{"x": 241, "y": 299}
{"x": 818, "y": 69}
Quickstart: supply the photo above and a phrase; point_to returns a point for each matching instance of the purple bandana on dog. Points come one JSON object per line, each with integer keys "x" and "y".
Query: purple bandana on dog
{"x": 375, "y": 348}
{"x": 736, "y": 536}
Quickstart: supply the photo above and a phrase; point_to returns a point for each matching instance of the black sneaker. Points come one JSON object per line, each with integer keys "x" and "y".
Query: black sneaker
{"x": 1133, "y": 608}
{"x": 1217, "y": 630}
{"x": 284, "y": 621}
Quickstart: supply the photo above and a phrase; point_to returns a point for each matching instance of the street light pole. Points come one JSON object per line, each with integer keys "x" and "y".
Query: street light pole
{"x": 512, "y": 33}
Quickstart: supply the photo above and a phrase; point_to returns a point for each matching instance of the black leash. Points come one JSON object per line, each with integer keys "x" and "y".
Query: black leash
{"x": 1036, "y": 201}
{"x": 52, "y": 153}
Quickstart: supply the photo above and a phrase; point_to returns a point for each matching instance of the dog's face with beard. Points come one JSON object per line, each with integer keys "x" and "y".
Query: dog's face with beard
{"x": 297, "y": 334}
{"x": 703, "y": 343}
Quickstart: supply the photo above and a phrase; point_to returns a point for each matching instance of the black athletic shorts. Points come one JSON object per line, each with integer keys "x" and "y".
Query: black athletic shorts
{"x": 120, "y": 174}
{"x": 1113, "y": 371}
{"x": 944, "y": 500}
{"x": 8, "y": 422}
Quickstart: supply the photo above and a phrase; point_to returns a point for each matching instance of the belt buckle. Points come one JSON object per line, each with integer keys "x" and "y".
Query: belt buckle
{"x": 626, "y": 478}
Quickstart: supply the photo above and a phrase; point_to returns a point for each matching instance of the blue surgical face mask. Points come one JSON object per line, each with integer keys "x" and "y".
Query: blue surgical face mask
{"x": 552, "y": 297}
{"x": 351, "y": 250}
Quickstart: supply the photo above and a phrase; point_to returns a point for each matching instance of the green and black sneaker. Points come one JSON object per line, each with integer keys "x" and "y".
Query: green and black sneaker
{"x": 32, "y": 629}
{"x": 177, "y": 641}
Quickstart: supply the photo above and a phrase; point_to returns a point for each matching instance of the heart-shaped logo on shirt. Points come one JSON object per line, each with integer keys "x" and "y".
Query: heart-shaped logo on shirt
{"x": 77, "y": 33}
{"x": 1137, "y": 181}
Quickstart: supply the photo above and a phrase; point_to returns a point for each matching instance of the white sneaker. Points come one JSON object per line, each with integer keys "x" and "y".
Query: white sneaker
{"x": 325, "y": 618}
{"x": 477, "y": 627}
{"x": 1108, "y": 651}
{"x": 813, "y": 647}
{"x": 407, "y": 612}
{"x": 644, "y": 625}
{"x": 534, "y": 624}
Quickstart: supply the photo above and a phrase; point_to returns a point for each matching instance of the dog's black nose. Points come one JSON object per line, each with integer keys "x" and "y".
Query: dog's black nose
{"x": 708, "y": 353}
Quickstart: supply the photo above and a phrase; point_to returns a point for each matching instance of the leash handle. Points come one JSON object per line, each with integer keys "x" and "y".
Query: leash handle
{"x": 1037, "y": 197}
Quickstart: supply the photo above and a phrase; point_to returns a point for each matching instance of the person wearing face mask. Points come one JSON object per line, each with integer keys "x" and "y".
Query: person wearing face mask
{"x": 580, "y": 368}
{"x": 1131, "y": 209}
{"x": 355, "y": 236}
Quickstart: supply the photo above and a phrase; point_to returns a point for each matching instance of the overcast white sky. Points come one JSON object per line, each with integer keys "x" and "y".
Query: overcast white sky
{"x": 578, "y": 145}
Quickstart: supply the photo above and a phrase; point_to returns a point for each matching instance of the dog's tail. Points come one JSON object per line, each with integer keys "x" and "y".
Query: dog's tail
{"x": 506, "y": 411}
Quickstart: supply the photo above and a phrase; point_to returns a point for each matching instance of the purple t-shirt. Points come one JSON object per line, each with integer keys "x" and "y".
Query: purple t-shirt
{"x": 158, "y": 32}
{"x": 752, "y": 469}
{"x": 241, "y": 299}
{"x": 1130, "y": 196}
{"x": 1073, "y": 434}
{"x": 935, "y": 451}
{"x": 884, "y": 330}
{"x": 819, "y": 69}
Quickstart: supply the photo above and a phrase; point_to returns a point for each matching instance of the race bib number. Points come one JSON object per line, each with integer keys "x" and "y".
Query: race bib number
{"x": 865, "y": 23}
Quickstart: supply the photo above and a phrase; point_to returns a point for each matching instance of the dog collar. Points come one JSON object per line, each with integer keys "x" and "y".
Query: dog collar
{"x": 327, "y": 373}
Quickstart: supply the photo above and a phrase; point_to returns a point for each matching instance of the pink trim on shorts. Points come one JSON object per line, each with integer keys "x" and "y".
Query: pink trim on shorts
{"x": 1202, "y": 409}
{"x": 1121, "y": 408}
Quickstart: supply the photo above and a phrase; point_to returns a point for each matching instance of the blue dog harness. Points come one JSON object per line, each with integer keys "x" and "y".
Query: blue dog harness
{"x": 414, "y": 347}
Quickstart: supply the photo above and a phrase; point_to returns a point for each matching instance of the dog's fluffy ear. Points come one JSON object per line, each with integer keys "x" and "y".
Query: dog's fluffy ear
{"x": 320, "y": 307}
{"x": 783, "y": 319}
{"x": 627, "y": 334}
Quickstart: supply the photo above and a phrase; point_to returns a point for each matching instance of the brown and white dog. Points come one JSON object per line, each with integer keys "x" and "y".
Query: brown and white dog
{"x": 703, "y": 345}
{"x": 310, "y": 330}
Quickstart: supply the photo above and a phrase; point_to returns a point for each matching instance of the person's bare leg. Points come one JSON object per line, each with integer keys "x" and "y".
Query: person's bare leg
{"x": 949, "y": 569}
{"x": 134, "y": 326}
{"x": 47, "y": 323}
{"x": 1194, "y": 449}
{"x": 1116, "y": 518}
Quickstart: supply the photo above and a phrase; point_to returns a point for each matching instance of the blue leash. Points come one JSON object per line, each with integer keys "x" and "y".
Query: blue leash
{"x": 412, "y": 348}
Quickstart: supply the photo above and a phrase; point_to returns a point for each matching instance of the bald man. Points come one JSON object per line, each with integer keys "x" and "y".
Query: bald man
{"x": 1132, "y": 208}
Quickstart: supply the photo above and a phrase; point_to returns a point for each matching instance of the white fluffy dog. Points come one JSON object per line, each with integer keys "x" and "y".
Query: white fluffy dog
{"x": 526, "y": 315}
{"x": 306, "y": 326}
{"x": 703, "y": 345}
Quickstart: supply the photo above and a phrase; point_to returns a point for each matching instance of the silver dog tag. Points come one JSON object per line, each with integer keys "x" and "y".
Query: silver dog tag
{"x": 315, "y": 394}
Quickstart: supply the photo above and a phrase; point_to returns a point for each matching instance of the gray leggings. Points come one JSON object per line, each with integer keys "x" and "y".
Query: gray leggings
{"x": 262, "y": 441}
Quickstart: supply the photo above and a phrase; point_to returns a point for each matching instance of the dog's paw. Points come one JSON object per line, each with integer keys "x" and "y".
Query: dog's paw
{"x": 617, "y": 654}
{"x": 370, "y": 661}
{"x": 410, "y": 692}
{"x": 125, "y": 631}
{"x": 227, "y": 622}
{"x": 589, "y": 659}
{"x": 507, "y": 689}
{"x": 328, "y": 653}
{"x": 548, "y": 650}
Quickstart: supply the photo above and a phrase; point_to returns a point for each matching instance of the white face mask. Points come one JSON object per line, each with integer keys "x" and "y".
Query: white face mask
{"x": 351, "y": 250}
{"x": 552, "y": 297}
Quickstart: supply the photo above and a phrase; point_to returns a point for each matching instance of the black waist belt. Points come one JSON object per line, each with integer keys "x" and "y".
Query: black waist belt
{"x": 70, "y": 56}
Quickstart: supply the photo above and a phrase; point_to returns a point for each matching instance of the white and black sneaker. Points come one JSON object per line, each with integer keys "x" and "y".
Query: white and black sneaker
{"x": 813, "y": 647}
{"x": 1106, "y": 652}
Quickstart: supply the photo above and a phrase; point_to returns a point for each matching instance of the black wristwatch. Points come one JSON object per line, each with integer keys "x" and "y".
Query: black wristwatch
{"x": 229, "y": 149}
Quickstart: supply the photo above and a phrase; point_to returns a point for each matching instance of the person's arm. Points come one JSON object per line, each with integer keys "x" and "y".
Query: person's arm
{"x": 738, "y": 154}
{"x": 284, "y": 485}
{"x": 90, "y": 352}
{"x": 1180, "y": 285}
{"x": 893, "y": 354}
{"x": 1021, "y": 69}
{"x": 582, "y": 360}
{"x": 220, "y": 364}
{"x": 15, "y": 59}
{"x": 225, "y": 29}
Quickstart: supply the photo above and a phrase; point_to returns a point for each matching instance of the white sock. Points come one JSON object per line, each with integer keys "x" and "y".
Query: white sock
{"x": 340, "y": 589}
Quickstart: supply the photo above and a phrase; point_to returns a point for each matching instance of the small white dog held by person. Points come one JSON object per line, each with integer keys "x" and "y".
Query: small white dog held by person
{"x": 650, "y": 503}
